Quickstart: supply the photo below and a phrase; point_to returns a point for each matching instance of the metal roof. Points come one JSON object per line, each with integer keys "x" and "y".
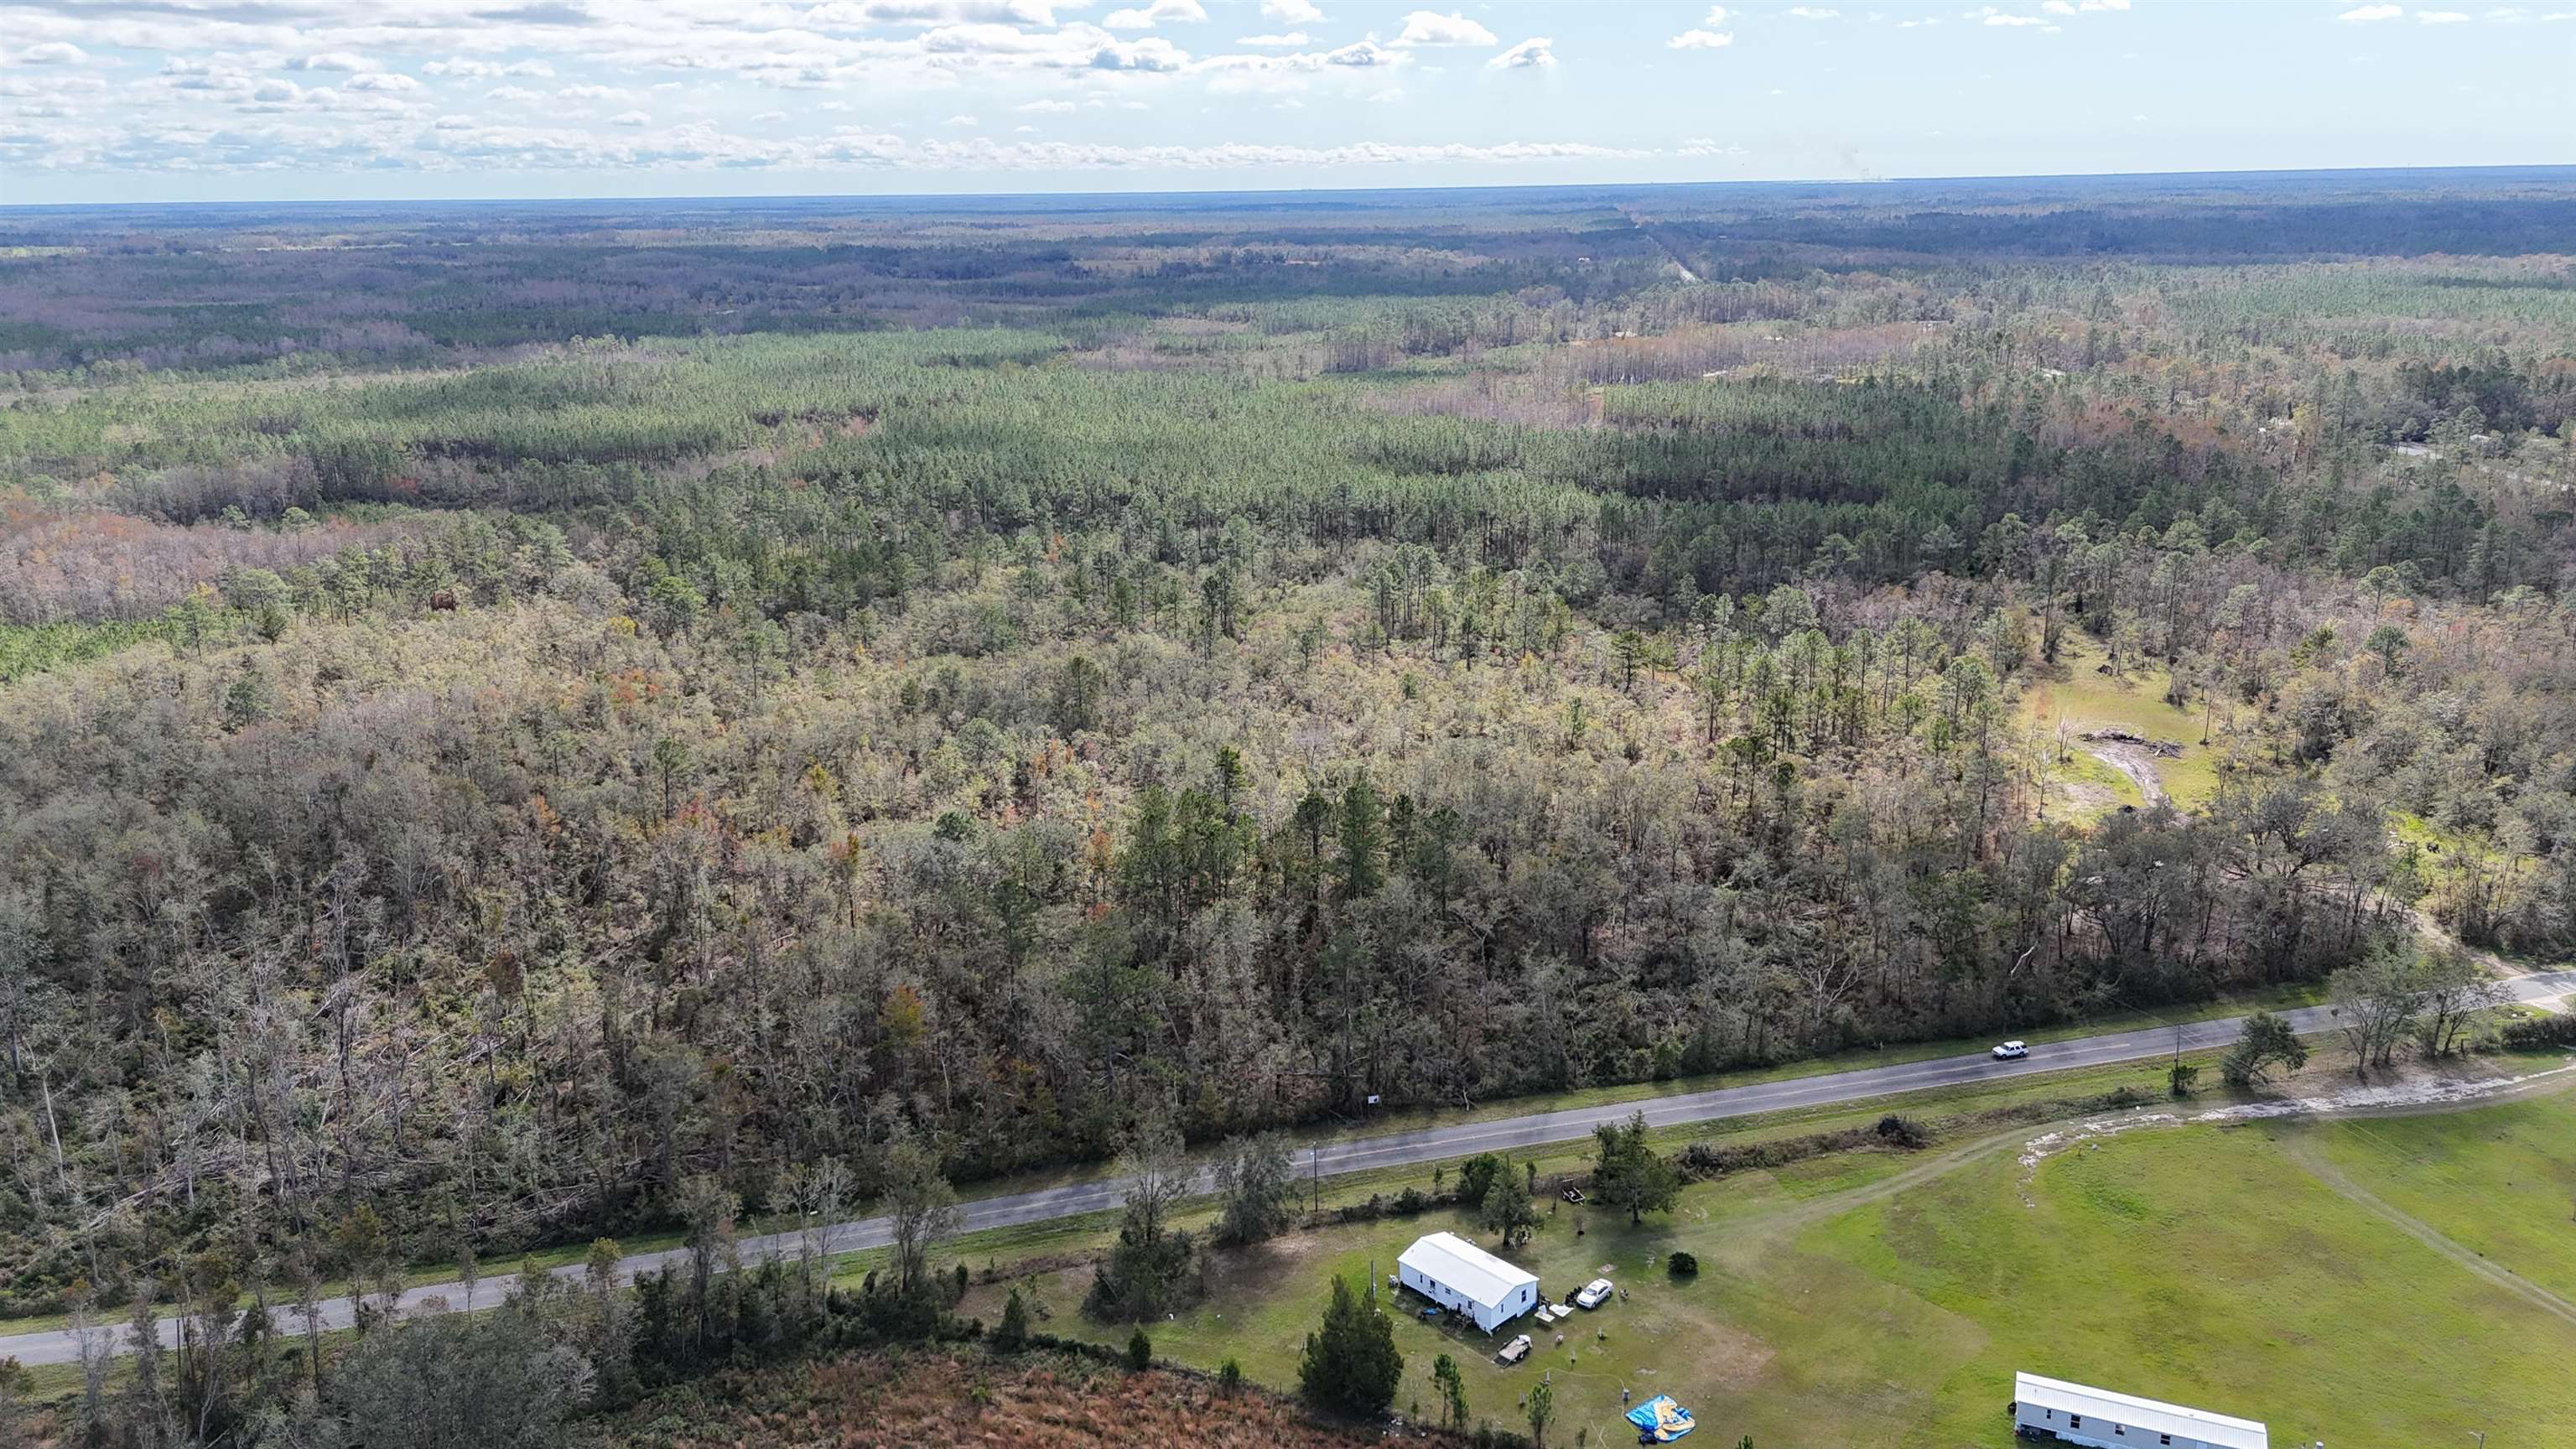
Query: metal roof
{"x": 2138, "y": 1413}
{"x": 1453, "y": 1262}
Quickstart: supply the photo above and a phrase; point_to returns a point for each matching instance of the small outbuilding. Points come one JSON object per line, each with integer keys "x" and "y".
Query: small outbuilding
{"x": 1461, "y": 1277}
{"x": 2053, "y": 1409}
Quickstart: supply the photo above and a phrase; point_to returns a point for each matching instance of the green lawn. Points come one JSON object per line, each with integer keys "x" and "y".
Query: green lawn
{"x": 1887, "y": 1299}
{"x": 2502, "y": 1183}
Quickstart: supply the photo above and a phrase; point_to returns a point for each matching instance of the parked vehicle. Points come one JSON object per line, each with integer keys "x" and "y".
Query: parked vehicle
{"x": 1595, "y": 1293}
{"x": 1573, "y": 1195}
{"x": 2011, "y": 1051}
{"x": 1514, "y": 1351}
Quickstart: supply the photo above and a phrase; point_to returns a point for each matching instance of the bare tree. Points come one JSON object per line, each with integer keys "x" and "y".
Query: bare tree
{"x": 818, "y": 1191}
{"x": 1156, "y": 1169}
{"x": 1257, "y": 1180}
{"x": 708, "y": 1207}
{"x": 2376, "y": 1004}
{"x": 922, "y": 1208}
{"x": 2453, "y": 989}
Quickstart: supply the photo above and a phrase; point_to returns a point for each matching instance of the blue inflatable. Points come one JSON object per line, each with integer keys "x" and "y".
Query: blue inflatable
{"x": 1660, "y": 1421}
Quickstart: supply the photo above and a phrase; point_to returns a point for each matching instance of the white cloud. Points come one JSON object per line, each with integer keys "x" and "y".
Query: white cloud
{"x": 937, "y": 12}
{"x": 2365, "y": 14}
{"x": 1430, "y": 27}
{"x": 1290, "y": 40}
{"x": 967, "y": 121}
{"x": 1700, "y": 40}
{"x": 332, "y": 60}
{"x": 1810, "y": 12}
{"x": 2000, "y": 18}
{"x": 1716, "y": 16}
{"x": 1151, "y": 54}
{"x": 54, "y": 52}
{"x": 1530, "y": 54}
{"x": 587, "y": 93}
{"x": 480, "y": 69}
{"x": 1146, "y": 17}
{"x": 1707, "y": 146}
{"x": 512, "y": 95}
{"x": 2441, "y": 17}
{"x": 1230, "y": 74}
{"x": 1046, "y": 107}
{"x": 387, "y": 81}
{"x": 630, "y": 118}
{"x": 1292, "y": 12}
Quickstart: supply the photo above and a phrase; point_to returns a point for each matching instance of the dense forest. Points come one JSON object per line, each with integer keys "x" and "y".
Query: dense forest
{"x": 509, "y": 713}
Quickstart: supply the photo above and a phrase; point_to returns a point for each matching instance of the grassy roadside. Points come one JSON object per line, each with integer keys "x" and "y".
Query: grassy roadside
{"x": 996, "y": 1250}
{"x": 2279, "y": 998}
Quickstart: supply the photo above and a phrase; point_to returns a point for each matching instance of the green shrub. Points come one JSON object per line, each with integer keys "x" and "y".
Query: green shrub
{"x": 2537, "y": 1032}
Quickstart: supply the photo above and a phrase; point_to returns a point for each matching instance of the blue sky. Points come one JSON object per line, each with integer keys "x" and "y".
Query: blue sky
{"x": 146, "y": 100}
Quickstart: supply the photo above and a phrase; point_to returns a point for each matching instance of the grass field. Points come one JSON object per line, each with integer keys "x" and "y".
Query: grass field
{"x": 2501, "y": 1183}
{"x": 1881, "y": 1298}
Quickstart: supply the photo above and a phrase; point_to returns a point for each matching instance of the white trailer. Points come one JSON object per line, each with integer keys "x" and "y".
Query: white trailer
{"x": 1458, "y": 1275}
{"x": 2054, "y": 1410}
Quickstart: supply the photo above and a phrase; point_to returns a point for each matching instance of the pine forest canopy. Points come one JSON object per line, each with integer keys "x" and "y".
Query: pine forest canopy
{"x": 508, "y": 712}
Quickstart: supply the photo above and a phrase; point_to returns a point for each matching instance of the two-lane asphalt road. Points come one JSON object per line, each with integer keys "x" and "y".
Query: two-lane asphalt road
{"x": 1396, "y": 1149}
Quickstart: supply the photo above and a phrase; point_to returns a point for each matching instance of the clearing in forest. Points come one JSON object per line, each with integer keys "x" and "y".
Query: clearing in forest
{"x": 2093, "y": 776}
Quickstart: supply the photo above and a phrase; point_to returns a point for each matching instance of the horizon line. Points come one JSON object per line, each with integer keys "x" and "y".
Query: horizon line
{"x": 12, "y": 208}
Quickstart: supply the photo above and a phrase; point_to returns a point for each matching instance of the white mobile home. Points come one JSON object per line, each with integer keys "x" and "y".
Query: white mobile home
{"x": 1456, "y": 1274}
{"x": 2046, "y": 1409}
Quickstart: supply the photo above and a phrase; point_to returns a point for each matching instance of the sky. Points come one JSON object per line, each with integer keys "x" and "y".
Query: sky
{"x": 245, "y": 100}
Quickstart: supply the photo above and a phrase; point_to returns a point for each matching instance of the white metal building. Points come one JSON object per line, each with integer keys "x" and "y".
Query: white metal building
{"x": 1455, "y": 1273}
{"x": 2075, "y": 1414}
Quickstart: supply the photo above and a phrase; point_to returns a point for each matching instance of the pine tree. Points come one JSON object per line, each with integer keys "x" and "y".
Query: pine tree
{"x": 1629, "y": 1174}
{"x": 1352, "y": 1364}
{"x": 1013, "y": 1334}
{"x": 1506, "y": 1209}
{"x": 1363, "y": 862}
{"x": 1452, "y": 1384}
